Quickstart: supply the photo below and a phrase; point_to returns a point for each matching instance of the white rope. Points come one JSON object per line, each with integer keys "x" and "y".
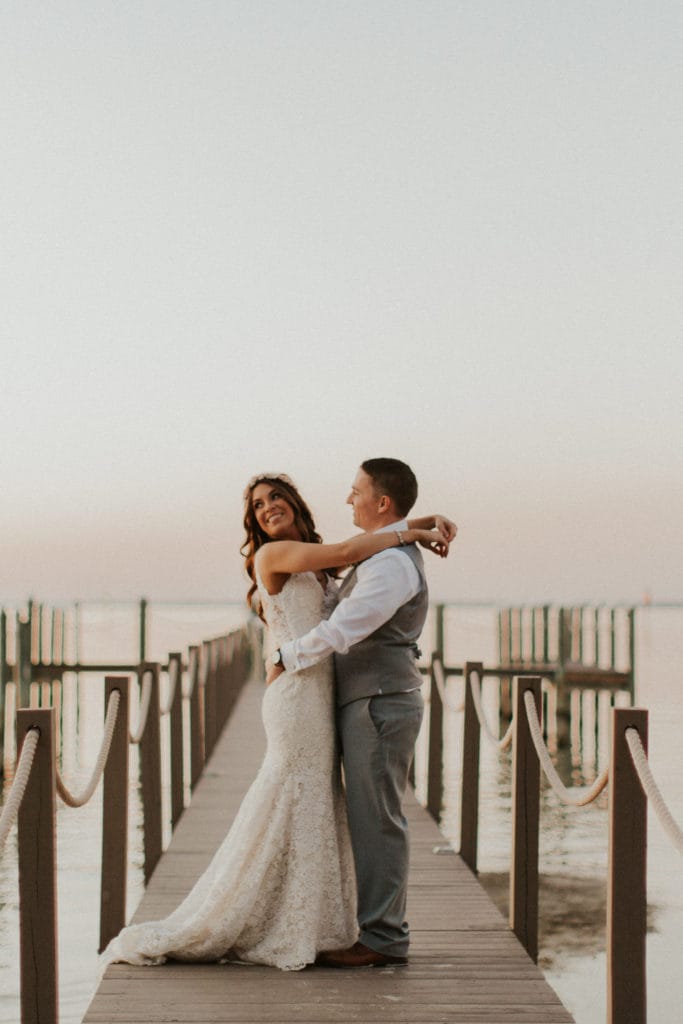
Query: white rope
{"x": 135, "y": 735}
{"x": 548, "y": 767}
{"x": 440, "y": 680}
{"x": 173, "y": 682}
{"x": 505, "y": 740}
{"x": 16, "y": 793}
{"x": 651, "y": 788}
{"x": 82, "y": 798}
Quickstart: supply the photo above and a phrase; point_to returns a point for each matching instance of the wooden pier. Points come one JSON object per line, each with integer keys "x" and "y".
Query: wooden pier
{"x": 466, "y": 964}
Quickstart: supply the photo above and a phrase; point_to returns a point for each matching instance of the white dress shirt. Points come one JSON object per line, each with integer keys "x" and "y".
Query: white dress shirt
{"x": 384, "y": 582}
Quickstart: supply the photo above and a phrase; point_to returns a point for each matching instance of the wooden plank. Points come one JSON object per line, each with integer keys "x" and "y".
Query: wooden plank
{"x": 465, "y": 966}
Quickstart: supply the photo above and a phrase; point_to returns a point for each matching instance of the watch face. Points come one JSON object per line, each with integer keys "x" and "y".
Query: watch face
{"x": 277, "y": 658}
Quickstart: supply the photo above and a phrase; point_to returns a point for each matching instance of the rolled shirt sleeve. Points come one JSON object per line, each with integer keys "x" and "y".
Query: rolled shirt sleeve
{"x": 384, "y": 582}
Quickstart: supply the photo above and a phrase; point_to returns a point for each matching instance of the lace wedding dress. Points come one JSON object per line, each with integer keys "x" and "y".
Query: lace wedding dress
{"x": 281, "y": 886}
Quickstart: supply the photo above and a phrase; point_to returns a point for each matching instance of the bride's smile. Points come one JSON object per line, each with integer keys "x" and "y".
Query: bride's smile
{"x": 273, "y": 512}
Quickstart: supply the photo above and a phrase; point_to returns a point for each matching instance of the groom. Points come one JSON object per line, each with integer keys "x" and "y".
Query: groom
{"x": 373, "y": 633}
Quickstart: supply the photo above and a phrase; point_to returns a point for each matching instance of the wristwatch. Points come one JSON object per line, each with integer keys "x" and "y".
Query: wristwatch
{"x": 277, "y": 658}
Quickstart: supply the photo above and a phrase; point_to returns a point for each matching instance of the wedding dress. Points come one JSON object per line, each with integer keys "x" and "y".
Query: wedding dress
{"x": 281, "y": 886}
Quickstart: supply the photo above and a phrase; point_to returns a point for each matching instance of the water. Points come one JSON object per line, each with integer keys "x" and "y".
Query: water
{"x": 573, "y": 854}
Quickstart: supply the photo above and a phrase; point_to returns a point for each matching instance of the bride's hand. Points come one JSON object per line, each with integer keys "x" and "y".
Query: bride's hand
{"x": 433, "y": 540}
{"x": 446, "y": 528}
{"x": 273, "y": 672}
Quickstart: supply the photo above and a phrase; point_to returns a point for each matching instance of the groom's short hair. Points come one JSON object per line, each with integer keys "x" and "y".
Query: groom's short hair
{"x": 395, "y": 479}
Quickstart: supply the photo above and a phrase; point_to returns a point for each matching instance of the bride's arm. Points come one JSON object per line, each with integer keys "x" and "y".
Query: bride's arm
{"x": 287, "y": 556}
{"x": 446, "y": 527}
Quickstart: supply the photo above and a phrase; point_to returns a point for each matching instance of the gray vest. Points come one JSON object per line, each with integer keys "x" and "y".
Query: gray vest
{"x": 385, "y": 662}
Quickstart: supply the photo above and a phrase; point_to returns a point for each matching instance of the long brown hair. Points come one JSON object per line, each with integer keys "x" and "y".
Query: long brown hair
{"x": 256, "y": 537}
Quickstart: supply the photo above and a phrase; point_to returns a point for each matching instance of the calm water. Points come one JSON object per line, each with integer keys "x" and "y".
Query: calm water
{"x": 573, "y": 842}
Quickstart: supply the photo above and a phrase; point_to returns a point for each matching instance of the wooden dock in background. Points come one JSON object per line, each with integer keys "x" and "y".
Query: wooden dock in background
{"x": 466, "y": 965}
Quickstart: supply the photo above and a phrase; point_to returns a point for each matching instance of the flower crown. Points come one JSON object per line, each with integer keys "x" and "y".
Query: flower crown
{"x": 261, "y": 477}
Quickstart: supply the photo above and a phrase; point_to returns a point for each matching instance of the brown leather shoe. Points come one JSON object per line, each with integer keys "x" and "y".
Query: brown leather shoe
{"x": 359, "y": 956}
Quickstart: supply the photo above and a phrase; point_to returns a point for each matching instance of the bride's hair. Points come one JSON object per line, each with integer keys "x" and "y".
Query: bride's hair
{"x": 255, "y": 536}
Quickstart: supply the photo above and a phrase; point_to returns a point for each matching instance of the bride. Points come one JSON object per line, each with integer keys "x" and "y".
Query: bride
{"x": 281, "y": 887}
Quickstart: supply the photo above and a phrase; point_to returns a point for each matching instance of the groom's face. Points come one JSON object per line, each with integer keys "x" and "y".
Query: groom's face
{"x": 365, "y": 502}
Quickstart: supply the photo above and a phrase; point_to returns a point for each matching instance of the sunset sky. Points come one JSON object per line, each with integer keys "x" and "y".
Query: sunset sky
{"x": 291, "y": 235}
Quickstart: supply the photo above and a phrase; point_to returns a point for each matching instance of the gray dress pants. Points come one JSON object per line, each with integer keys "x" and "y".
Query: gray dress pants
{"x": 378, "y": 738}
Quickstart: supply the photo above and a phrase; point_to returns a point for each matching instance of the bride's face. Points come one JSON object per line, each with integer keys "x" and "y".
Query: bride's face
{"x": 273, "y": 512}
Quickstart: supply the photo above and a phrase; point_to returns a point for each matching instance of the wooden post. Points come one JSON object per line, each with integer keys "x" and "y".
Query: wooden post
{"x": 526, "y": 782}
{"x": 175, "y": 672}
{"x": 143, "y": 629}
{"x": 209, "y": 677}
{"x": 632, "y": 652}
{"x": 150, "y": 771}
{"x": 596, "y": 638}
{"x": 115, "y": 817}
{"x": 563, "y": 704}
{"x": 196, "y": 730}
{"x": 54, "y": 626}
{"x": 37, "y": 874}
{"x": 45, "y": 613}
{"x": 563, "y": 636}
{"x": 4, "y": 679}
{"x": 627, "y": 877}
{"x": 612, "y": 637}
{"x": 77, "y": 634}
{"x": 223, "y": 656}
{"x": 505, "y": 651}
{"x": 62, "y": 636}
{"x": 439, "y": 632}
{"x": 501, "y": 639}
{"x": 515, "y": 635}
{"x": 435, "y": 752}
{"x": 22, "y": 661}
{"x": 469, "y": 802}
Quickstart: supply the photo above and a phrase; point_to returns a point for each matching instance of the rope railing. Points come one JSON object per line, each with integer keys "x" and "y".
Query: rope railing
{"x": 631, "y": 788}
{"x": 651, "y": 789}
{"x": 562, "y": 791}
{"x": 440, "y": 680}
{"x": 135, "y": 735}
{"x": 19, "y": 783}
{"x": 216, "y": 671}
{"x": 80, "y": 799}
{"x": 501, "y": 742}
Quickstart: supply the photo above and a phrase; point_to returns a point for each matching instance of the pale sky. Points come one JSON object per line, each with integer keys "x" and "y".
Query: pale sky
{"x": 291, "y": 235}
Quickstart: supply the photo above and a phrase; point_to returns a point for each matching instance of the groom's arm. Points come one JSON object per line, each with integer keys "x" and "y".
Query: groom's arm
{"x": 384, "y": 583}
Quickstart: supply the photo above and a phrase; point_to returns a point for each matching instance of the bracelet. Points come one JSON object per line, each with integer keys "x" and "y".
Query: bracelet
{"x": 400, "y": 538}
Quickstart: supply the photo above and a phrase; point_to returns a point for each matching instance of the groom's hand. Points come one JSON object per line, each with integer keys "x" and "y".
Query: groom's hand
{"x": 273, "y": 672}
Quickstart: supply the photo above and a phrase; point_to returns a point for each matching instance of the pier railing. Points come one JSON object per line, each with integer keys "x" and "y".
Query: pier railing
{"x": 630, "y": 785}
{"x": 209, "y": 684}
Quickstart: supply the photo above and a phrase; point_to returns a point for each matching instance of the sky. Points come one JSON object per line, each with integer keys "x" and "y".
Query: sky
{"x": 291, "y": 235}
